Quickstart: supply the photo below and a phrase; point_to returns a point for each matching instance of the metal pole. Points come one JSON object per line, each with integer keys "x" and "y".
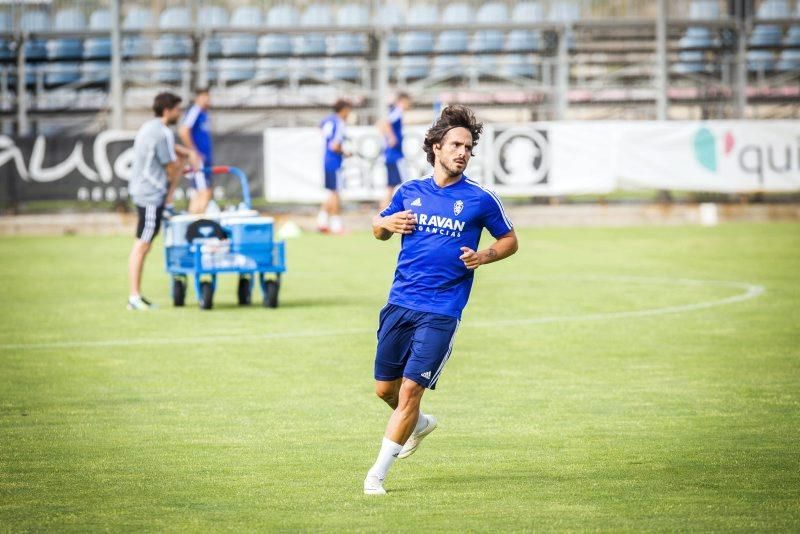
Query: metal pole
{"x": 202, "y": 61}
{"x": 23, "y": 125}
{"x": 662, "y": 80}
{"x": 382, "y": 75}
{"x": 741, "y": 67}
{"x": 117, "y": 105}
{"x": 562, "y": 75}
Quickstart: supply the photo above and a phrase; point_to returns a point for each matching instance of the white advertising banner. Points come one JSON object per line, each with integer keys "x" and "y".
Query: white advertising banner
{"x": 558, "y": 158}
{"x": 717, "y": 156}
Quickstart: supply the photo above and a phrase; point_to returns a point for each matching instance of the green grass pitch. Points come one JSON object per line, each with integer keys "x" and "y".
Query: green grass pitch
{"x": 603, "y": 379}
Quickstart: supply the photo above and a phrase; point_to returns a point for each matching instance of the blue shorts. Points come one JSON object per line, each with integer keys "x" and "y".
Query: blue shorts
{"x": 332, "y": 180}
{"x": 414, "y": 345}
{"x": 395, "y": 172}
{"x": 201, "y": 180}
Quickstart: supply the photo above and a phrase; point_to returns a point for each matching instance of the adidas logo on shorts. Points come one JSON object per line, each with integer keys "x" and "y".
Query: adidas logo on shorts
{"x": 426, "y": 374}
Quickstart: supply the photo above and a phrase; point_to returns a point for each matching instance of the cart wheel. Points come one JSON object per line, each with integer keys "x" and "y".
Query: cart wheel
{"x": 178, "y": 291}
{"x": 244, "y": 290}
{"x": 271, "y": 294}
{"x": 206, "y": 296}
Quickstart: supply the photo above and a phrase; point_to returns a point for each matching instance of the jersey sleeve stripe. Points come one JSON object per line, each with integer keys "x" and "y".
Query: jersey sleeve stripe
{"x": 395, "y": 115}
{"x": 497, "y": 201}
{"x": 191, "y": 116}
{"x": 502, "y": 210}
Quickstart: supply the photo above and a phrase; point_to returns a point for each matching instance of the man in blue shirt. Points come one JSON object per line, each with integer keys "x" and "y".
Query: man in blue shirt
{"x": 333, "y": 131}
{"x": 195, "y": 132}
{"x": 440, "y": 218}
{"x": 392, "y": 130}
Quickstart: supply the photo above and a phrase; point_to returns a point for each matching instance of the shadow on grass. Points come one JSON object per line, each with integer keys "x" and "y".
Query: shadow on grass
{"x": 317, "y": 302}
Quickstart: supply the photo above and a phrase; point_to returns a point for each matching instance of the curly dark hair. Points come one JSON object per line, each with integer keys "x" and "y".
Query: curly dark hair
{"x": 163, "y": 102}
{"x": 455, "y": 116}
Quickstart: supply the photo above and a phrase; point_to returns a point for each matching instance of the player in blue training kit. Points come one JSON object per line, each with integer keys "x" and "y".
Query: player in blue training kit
{"x": 392, "y": 130}
{"x": 333, "y": 130}
{"x": 440, "y": 218}
{"x": 195, "y": 132}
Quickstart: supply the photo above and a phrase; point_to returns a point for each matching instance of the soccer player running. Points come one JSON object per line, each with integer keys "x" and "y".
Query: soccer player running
{"x": 157, "y": 168}
{"x": 333, "y": 130}
{"x": 392, "y": 130}
{"x": 440, "y": 218}
{"x": 195, "y": 132}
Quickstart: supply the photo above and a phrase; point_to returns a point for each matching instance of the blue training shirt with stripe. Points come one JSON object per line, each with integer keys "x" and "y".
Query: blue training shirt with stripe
{"x": 333, "y": 130}
{"x": 429, "y": 276}
{"x": 393, "y": 154}
{"x": 196, "y": 119}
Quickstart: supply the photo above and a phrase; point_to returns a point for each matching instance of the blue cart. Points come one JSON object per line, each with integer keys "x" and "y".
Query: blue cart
{"x": 239, "y": 242}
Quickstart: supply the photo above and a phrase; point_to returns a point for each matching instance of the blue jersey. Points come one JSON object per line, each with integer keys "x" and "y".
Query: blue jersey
{"x": 429, "y": 276}
{"x": 333, "y": 130}
{"x": 196, "y": 119}
{"x": 395, "y": 119}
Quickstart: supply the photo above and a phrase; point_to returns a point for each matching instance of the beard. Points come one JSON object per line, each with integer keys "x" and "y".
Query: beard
{"x": 452, "y": 169}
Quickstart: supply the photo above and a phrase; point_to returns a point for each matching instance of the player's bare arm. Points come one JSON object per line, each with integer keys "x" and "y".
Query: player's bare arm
{"x": 386, "y": 129}
{"x": 504, "y": 247}
{"x": 193, "y": 156}
{"x": 402, "y": 222}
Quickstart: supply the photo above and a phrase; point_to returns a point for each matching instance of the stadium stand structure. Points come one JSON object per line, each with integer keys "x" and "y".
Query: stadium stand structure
{"x": 553, "y": 59}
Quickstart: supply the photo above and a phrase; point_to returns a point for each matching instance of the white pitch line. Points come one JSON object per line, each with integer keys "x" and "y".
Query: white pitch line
{"x": 751, "y": 291}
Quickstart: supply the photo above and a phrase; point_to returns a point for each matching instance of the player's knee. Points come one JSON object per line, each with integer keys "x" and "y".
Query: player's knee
{"x": 410, "y": 396}
{"x": 386, "y": 394}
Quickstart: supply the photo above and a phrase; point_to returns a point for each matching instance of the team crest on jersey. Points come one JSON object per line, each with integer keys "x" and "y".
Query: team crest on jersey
{"x": 457, "y": 207}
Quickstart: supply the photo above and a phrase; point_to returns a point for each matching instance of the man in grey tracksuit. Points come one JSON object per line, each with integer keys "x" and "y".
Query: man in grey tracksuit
{"x": 158, "y": 165}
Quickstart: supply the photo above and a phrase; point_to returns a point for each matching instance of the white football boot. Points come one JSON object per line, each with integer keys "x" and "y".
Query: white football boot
{"x": 415, "y": 439}
{"x": 373, "y": 486}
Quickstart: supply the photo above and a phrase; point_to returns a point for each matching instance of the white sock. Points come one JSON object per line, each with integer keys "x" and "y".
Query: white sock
{"x": 322, "y": 219}
{"x": 336, "y": 224}
{"x": 387, "y": 456}
{"x": 133, "y": 297}
{"x": 422, "y": 422}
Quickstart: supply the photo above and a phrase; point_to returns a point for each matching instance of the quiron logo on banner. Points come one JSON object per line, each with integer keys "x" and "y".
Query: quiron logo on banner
{"x": 719, "y": 156}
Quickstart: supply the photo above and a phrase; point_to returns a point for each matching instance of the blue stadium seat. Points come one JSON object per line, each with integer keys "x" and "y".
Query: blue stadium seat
{"x": 69, "y": 48}
{"x": 213, "y": 18}
{"x": 136, "y": 46}
{"x": 789, "y": 61}
{"x": 174, "y": 45}
{"x": 346, "y": 43}
{"x": 565, "y": 11}
{"x": 761, "y": 61}
{"x": 62, "y": 73}
{"x": 314, "y": 44}
{"x": 490, "y": 40}
{"x": 525, "y": 40}
{"x": 454, "y": 40}
{"x": 280, "y": 16}
{"x": 695, "y": 61}
{"x": 242, "y": 44}
{"x": 33, "y": 21}
{"x": 170, "y": 71}
{"x": 769, "y": 34}
{"x": 419, "y": 42}
{"x": 389, "y": 14}
{"x": 95, "y": 72}
{"x": 6, "y": 54}
{"x": 273, "y": 69}
{"x": 98, "y": 47}
{"x": 519, "y": 66}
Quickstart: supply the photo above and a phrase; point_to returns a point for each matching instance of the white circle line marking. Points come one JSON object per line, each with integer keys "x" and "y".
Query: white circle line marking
{"x": 751, "y": 291}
